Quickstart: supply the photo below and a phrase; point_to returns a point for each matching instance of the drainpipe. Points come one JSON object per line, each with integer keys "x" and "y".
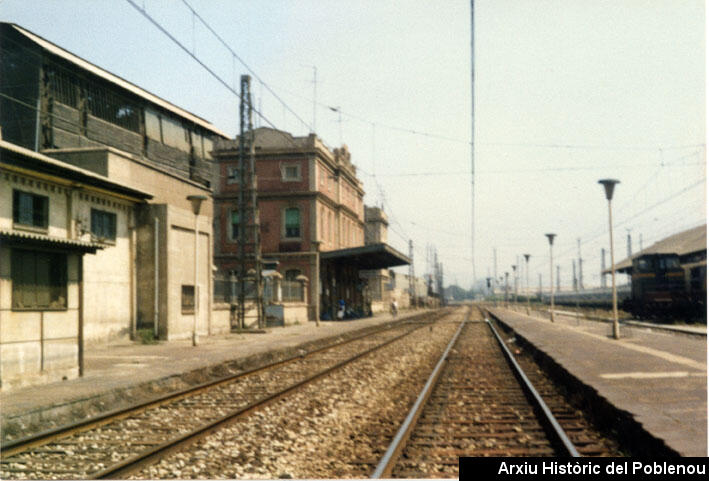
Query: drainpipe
{"x": 157, "y": 289}
{"x": 81, "y": 314}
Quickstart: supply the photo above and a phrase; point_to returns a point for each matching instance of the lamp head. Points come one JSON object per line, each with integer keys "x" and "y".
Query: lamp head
{"x": 526, "y": 257}
{"x": 609, "y": 185}
{"x": 551, "y": 238}
{"x": 196, "y": 201}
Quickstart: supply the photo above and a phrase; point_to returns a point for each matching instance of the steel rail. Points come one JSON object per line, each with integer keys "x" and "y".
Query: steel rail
{"x": 396, "y": 446}
{"x": 554, "y": 430}
{"x": 155, "y": 454}
{"x": 20, "y": 445}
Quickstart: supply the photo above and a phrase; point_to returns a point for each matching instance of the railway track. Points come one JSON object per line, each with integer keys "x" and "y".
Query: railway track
{"x": 479, "y": 403}
{"x": 122, "y": 442}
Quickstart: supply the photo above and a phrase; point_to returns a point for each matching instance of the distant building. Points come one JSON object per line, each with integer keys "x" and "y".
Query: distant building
{"x": 138, "y": 157}
{"x": 311, "y": 214}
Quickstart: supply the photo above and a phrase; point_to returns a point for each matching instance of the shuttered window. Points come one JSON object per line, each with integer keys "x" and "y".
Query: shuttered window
{"x": 292, "y": 222}
{"x": 30, "y": 209}
{"x": 39, "y": 280}
{"x": 103, "y": 224}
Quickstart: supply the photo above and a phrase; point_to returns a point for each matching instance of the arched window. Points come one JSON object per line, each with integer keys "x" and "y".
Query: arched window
{"x": 291, "y": 274}
{"x": 292, "y": 222}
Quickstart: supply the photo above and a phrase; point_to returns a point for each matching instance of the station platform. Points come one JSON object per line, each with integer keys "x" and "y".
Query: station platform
{"x": 657, "y": 377}
{"x": 125, "y": 373}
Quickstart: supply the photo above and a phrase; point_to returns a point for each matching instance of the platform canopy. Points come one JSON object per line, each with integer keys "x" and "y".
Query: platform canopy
{"x": 372, "y": 256}
{"x": 683, "y": 243}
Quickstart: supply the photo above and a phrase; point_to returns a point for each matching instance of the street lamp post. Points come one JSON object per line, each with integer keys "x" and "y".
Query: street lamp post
{"x": 196, "y": 201}
{"x": 526, "y": 260}
{"x": 609, "y": 185}
{"x": 551, "y": 273}
{"x": 507, "y": 302}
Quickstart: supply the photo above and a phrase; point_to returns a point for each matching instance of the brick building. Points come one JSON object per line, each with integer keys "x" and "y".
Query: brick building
{"x": 311, "y": 217}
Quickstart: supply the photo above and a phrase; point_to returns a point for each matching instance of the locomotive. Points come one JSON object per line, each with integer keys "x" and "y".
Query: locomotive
{"x": 663, "y": 287}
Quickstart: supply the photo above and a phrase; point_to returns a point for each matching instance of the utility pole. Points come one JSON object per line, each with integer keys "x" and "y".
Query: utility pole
{"x": 412, "y": 279}
{"x": 575, "y": 281}
{"x": 472, "y": 133}
{"x": 630, "y": 245}
{"x": 540, "y": 286}
{"x": 580, "y": 279}
{"x": 494, "y": 257}
{"x": 248, "y": 222}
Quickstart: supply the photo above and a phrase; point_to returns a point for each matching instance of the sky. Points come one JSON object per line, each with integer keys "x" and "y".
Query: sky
{"x": 567, "y": 92}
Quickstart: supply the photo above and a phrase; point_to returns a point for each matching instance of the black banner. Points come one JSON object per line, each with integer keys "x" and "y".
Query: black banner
{"x": 582, "y": 468}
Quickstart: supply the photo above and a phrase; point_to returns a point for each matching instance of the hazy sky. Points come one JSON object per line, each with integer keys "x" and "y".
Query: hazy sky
{"x": 566, "y": 93}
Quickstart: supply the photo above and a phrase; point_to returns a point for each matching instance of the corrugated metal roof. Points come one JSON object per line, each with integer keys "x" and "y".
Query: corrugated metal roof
{"x": 686, "y": 242}
{"x": 114, "y": 79}
{"x": 32, "y": 238}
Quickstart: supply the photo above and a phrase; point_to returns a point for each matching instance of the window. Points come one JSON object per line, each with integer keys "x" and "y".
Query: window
{"x": 30, "y": 209}
{"x": 187, "y": 299}
{"x": 109, "y": 106}
{"x": 152, "y": 125}
{"x": 63, "y": 86}
{"x": 103, "y": 224}
{"x": 234, "y": 231}
{"x": 291, "y": 274}
{"x": 38, "y": 280}
{"x": 292, "y": 222}
{"x": 174, "y": 134}
{"x": 232, "y": 175}
{"x": 290, "y": 172}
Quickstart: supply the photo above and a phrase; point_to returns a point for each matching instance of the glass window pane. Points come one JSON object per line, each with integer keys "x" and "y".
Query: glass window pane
{"x": 208, "y": 147}
{"x": 174, "y": 134}
{"x": 152, "y": 125}
{"x": 25, "y": 208}
{"x": 42, "y": 280}
{"x": 234, "y": 224}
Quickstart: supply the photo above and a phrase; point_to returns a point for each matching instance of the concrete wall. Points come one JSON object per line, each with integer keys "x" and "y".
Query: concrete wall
{"x": 175, "y": 244}
{"x": 221, "y": 319}
{"x": 108, "y": 282}
{"x": 38, "y": 346}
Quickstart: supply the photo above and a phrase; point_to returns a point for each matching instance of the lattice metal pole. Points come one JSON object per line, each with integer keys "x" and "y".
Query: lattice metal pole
{"x": 249, "y": 223}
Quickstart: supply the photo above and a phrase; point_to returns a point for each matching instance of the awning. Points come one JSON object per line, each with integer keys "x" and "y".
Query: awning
{"x": 373, "y": 256}
{"x": 30, "y": 239}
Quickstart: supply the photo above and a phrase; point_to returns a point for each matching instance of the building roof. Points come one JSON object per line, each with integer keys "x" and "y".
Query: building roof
{"x": 114, "y": 79}
{"x": 372, "y": 256}
{"x": 22, "y": 158}
{"x": 683, "y": 243}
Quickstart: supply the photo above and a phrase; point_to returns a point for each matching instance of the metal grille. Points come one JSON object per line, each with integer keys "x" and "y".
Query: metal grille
{"x": 63, "y": 87}
{"x": 110, "y": 107}
{"x": 292, "y": 291}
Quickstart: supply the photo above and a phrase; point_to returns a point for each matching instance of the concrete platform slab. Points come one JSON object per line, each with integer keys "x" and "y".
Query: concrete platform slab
{"x": 660, "y": 378}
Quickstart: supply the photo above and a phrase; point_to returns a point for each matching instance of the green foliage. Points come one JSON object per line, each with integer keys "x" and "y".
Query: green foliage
{"x": 146, "y": 336}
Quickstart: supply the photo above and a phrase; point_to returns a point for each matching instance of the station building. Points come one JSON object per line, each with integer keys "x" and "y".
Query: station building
{"x": 97, "y": 234}
{"x": 312, "y": 218}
